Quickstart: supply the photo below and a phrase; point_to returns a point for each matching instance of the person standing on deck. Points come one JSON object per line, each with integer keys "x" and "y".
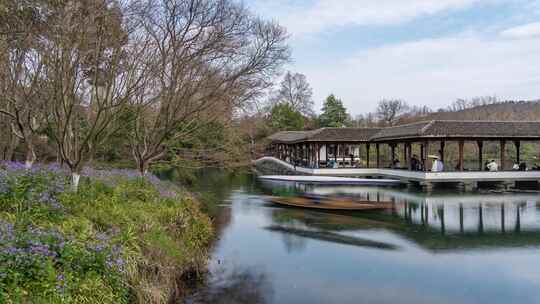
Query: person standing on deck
{"x": 438, "y": 165}
{"x": 493, "y": 166}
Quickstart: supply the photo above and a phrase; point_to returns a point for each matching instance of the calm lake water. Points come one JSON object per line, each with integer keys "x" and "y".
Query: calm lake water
{"x": 443, "y": 247}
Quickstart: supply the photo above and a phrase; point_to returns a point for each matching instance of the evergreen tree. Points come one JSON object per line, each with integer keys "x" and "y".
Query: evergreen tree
{"x": 284, "y": 118}
{"x": 334, "y": 113}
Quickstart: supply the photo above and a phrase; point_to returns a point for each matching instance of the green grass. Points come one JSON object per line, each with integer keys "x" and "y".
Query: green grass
{"x": 149, "y": 240}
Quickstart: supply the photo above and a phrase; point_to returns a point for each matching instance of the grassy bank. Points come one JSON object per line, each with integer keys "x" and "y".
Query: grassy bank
{"x": 119, "y": 239}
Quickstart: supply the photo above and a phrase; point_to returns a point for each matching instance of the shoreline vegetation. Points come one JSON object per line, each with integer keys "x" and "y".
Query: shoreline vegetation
{"x": 120, "y": 238}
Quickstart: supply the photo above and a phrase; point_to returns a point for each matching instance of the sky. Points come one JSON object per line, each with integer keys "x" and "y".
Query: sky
{"x": 426, "y": 52}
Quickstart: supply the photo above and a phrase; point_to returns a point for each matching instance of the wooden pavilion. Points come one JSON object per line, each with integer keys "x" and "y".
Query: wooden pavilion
{"x": 342, "y": 147}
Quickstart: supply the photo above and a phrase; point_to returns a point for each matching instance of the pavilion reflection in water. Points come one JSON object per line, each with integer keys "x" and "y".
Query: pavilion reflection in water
{"x": 435, "y": 221}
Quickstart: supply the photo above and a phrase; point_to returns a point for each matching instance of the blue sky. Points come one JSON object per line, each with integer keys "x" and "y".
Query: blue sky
{"x": 426, "y": 52}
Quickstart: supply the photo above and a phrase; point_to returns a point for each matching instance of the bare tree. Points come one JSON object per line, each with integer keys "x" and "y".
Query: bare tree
{"x": 21, "y": 75}
{"x": 210, "y": 56}
{"x": 459, "y": 105}
{"x": 295, "y": 90}
{"x": 364, "y": 121}
{"x": 93, "y": 68}
{"x": 389, "y": 110}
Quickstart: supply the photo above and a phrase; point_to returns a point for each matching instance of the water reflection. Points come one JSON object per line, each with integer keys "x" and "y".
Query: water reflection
{"x": 442, "y": 247}
{"x": 235, "y": 286}
{"x": 330, "y": 237}
{"x": 447, "y": 211}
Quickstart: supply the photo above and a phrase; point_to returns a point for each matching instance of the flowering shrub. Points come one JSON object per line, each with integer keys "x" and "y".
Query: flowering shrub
{"x": 52, "y": 267}
{"x": 102, "y": 244}
{"x": 34, "y": 189}
{"x": 113, "y": 177}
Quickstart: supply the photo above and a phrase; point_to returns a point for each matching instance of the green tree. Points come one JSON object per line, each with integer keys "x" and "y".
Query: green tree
{"x": 284, "y": 118}
{"x": 334, "y": 113}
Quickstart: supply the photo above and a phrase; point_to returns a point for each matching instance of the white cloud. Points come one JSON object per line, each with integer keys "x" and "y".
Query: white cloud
{"x": 523, "y": 31}
{"x": 433, "y": 72}
{"x": 320, "y": 15}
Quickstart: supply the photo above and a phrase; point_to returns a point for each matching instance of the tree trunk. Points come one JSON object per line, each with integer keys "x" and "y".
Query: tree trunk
{"x": 10, "y": 150}
{"x": 75, "y": 179}
{"x": 143, "y": 166}
{"x": 30, "y": 155}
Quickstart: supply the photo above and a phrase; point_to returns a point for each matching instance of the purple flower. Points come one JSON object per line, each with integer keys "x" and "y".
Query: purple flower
{"x": 6, "y": 232}
{"x": 61, "y": 284}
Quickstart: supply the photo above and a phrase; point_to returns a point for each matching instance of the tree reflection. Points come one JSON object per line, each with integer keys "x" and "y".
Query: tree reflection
{"x": 293, "y": 243}
{"x": 235, "y": 286}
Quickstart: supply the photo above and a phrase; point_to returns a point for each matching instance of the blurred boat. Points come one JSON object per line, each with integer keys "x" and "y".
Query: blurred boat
{"x": 330, "y": 203}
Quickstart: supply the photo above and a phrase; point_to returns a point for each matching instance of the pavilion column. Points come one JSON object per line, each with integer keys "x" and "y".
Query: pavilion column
{"x": 291, "y": 153}
{"x": 336, "y": 151}
{"x": 426, "y": 153}
{"x": 480, "y": 155}
{"x": 368, "y": 146}
{"x": 308, "y": 156}
{"x": 443, "y": 144}
{"x": 405, "y": 154}
{"x": 318, "y": 155}
{"x": 409, "y": 159}
{"x": 326, "y": 154}
{"x": 351, "y": 152}
{"x": 312, "y": 154}
{"x": 378, "y": 149}
{"x": 305, "y": 157}
{"x": 291, "y": 148}
{"x": 517, "y": 143}
{"x": 503, "y": 154}
{"x": 393, "y": 151}
{"x": 460, "y": 161}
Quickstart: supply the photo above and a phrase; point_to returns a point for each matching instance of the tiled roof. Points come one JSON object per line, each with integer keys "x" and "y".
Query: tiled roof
{"x": 403, "y": 131}
{"x": 325, "y": 134}
{"x": 462, "y": 129}
{"x": 343, "y": 134}
{"x": 427, "y": 129}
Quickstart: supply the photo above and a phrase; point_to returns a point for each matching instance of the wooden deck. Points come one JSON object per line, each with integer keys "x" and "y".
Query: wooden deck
{"x": 418, "y": 176}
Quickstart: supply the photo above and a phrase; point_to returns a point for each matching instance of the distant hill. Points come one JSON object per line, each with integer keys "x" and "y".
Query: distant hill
{"x": 506, "y": 111}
